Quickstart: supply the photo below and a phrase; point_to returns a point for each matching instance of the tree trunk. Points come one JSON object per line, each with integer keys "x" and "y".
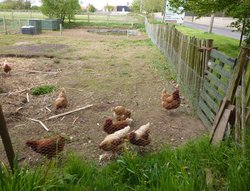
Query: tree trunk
{"x": 242, "y": 31}
{"x": 211, "y": 23}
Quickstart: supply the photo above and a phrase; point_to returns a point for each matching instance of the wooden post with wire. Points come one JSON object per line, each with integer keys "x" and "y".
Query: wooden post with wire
{"x": 6, "y": 140}
{"x": 4, "y": 25}
{"x": 61, "y": 29}
{"x": 12, "y": 15}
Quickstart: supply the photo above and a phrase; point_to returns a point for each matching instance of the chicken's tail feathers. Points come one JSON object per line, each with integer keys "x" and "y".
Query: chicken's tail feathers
{"x": 29, "y": 143}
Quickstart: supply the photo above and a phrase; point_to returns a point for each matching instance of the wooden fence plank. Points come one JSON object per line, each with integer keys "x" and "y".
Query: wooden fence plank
{"x": 212, "y": 91}
{"x": 203, "y": 106}
{"x": 6, "y": 140}
{"x": 219, "y": 133}
{"x": 217, "y": 82}
{"x": 223, "y": 58}
{"x": 237, "y": 73}
{"x": 220, "y": 70}
{"x": 204, "y": 118}
{"x": 212, "y": 104}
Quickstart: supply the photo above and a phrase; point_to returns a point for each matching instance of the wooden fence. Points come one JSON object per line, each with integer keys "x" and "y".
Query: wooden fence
{"x": 204, "y": 72}
{"x": 188, "y": 55}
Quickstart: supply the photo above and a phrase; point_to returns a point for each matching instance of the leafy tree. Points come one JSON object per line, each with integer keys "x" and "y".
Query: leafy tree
{"x": 136, "y": 6}
{"x": 91, "y": 8}
{"x": 60, "y": 8}
{"x": 235, "y": 8}
{"x": 151, "y": 6}
{"x": 15, "y": 4}
{"x": 109, "y": 8}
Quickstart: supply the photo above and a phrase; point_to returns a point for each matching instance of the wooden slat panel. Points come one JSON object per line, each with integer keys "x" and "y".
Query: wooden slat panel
{"x": 220, "y": 70}
{"x": 221, "y": 128}
{"x": 212, "y": 91}
{"x": 204, "y": 119}
{"x": 203, "y": 106}
{"x": 223, "y": 58}
{"x": 212, "y": 104}
{"x": 219, "y": 83}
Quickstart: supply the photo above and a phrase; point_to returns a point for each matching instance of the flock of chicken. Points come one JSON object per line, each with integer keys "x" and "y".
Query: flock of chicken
{"x": 118, "y": 129}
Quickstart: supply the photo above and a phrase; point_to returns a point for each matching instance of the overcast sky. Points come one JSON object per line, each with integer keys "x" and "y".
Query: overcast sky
{"x": 99, "y": 4}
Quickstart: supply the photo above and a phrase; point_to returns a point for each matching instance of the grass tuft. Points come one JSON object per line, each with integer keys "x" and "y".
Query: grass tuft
{"x": 44, "y": 89}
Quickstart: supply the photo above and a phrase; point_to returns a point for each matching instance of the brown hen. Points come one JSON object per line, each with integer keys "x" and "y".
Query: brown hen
{"x": 111, "y": 126}
{"x": 121, "y": 113}
{"x": 61, "y": 101}
{"x": 114, "y": 142}
{"x": 48, "y": 147}
{"x": 6, "y": 67}
{"x": 140, "y": 137}
{"x": 170, "y": 101}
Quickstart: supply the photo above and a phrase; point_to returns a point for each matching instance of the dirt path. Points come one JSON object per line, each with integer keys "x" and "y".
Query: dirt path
{"x": 103, "y": 70}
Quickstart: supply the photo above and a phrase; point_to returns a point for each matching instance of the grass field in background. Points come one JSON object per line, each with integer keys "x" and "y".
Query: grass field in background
{"x": 225, "y": 44}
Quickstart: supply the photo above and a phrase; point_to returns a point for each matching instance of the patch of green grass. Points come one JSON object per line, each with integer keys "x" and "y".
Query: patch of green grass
{"x": 227, "y": 45}
{"x": 165, "y": 69}
{"x": 78, "y": 24}
{"x": 124, "y": 74}
{"x": 44, "y": 89}
{"x": 194, "y": 166}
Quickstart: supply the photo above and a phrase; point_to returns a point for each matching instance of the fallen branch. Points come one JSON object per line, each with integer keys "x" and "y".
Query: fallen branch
{"x": 75, "y": 120}
{"x": 18, "y": 109}
{"x": 69, "y": 112}
{"x": 44, "y": 126}
{"x": 47, "y": 109}
{"x": 27, "y": 97}
{"x": 37, "y": 71}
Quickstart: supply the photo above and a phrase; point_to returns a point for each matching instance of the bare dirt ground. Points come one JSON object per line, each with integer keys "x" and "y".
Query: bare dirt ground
{"x": 104, "y": 70}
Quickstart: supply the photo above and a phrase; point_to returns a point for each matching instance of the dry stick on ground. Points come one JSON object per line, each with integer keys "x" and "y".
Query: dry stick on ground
{"x": 75, "y": 120}
{"x": 69, "y": 112}
{"x": 44, "y": 126}
{"x": 47, "y": 109}
{"x": 37, "y": 71}
{"x": 27, "y": 97}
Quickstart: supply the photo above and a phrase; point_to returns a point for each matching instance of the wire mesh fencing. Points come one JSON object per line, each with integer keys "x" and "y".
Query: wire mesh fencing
{"x": 12, "y": 26}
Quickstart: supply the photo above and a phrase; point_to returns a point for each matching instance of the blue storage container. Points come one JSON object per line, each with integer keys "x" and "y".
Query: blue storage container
{"x": 28, "y": 30}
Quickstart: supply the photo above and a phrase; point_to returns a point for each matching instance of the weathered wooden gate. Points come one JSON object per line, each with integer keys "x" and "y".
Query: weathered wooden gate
{"x": 215, "y": 84}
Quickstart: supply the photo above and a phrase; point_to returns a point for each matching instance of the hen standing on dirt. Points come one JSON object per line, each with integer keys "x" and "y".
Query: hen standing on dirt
{"x": 6, "y": 67}
{"x": 111, "y": 126}
{"x": 48, "y": 147}
{"x": 61, "y": 101}
{"x": 170, "y": 102}
{"x": 140, "y": 137}
{"x": 121, "y": 113}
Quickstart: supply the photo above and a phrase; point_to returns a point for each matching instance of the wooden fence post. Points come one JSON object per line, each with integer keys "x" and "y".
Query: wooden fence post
{"x": 19, "y": 22}
{"x": 6, "y": 140}
{"x": 209, "y": 45}
{"x": 12, "y": 15}
{"x": 4, "y": 25}
{"x": 237, "y": 74}
{"x": 61, "y": 29}
{"x": 107, "y": 18}
{"x": 88, "y": 17}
